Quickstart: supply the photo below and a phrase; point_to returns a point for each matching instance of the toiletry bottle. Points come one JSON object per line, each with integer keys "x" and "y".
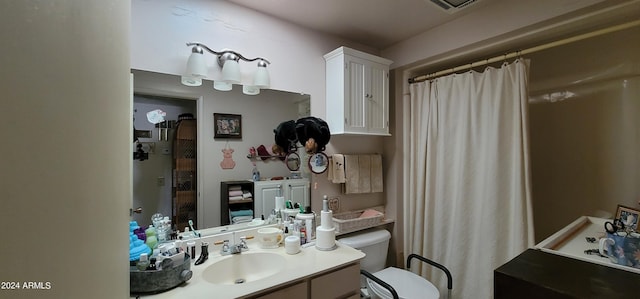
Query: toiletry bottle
{"x": 286, "y": 232}
{"x": 143, "y": 263}
{"x": 303, "y": 235}
{"x": 255, "y": 173}
{"x": 191, "y": 245}
{"x": 152, "y": 264}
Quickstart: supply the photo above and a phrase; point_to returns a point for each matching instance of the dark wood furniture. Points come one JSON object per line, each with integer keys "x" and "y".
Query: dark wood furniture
{"x": 537, "y": 274}
{"x": 226, "y": 205}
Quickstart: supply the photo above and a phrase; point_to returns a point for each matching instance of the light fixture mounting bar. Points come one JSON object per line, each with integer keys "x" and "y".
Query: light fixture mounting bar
{"x": 203, "y": 46}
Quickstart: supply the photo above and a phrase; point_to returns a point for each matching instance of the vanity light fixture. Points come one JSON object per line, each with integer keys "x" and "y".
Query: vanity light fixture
{"x": 229, "y": 61}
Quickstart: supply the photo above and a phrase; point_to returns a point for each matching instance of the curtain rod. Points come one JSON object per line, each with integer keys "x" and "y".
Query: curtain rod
{"x": 525, "y": 51}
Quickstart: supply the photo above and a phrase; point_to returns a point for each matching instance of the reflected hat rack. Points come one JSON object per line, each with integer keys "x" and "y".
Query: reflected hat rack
{"x": 229, "y": 61}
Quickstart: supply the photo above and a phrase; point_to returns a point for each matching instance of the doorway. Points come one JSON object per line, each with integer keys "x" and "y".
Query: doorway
{"x": 154, "y": 179}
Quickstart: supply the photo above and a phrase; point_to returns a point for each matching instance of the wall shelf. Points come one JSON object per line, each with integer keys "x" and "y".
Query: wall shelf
{"x": 226, "y": 205}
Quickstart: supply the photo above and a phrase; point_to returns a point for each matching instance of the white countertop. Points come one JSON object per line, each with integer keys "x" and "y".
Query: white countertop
{"x": 309, "y": 262}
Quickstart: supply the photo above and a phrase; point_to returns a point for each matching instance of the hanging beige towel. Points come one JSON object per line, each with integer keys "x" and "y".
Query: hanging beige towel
{"x": 339, "y": 175}
{"x": 376, "y": 174}
{"x": 364, "y": 173}
{"x": 351, "y": 169}
{"x": 330, "y": 169}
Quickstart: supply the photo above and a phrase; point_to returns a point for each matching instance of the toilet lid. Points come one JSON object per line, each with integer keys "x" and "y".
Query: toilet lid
{"x": 407, "y": 284}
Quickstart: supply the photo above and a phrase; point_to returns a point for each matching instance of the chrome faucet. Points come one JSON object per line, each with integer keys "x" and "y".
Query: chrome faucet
{"x": 234, "y": 249}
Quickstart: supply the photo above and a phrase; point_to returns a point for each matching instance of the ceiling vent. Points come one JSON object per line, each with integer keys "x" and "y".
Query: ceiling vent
{"x": 452, "y": 6}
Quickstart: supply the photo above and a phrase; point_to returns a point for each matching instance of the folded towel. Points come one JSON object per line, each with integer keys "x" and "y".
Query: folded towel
{"x": 339, "y": 175}
{"x": 369, "y": 213}
{"x": 247, "y": 194}
{"x": 364, "y": 173}
{"x": 241, "y": 219}
{"x": 235, "y": 192}
{"x": 241, "y": 213}
{"x": 239, "y": 197}
{"x": 376, "y": 173}
{"x": 351, "y": 171}
{"x": 235, "y": 187}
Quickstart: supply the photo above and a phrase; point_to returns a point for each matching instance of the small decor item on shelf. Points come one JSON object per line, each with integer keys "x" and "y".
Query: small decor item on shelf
{"x": 252, "y": 152}
{"x": 629, "y": 217}
{"x": 255, "y": 173}
{"x": 263, "y": 153}
{"x": 204, "y": 253}
{"x": 227, "y": 158}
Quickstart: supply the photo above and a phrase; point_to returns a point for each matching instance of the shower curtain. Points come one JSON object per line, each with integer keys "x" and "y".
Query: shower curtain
{"x": 467, "y": 202}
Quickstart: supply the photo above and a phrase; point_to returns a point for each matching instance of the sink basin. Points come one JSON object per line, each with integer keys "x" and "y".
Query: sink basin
{"x": 244, "y": 268}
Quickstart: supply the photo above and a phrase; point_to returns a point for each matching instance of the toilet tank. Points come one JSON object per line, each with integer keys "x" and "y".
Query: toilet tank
{"x": 374, "y": 243}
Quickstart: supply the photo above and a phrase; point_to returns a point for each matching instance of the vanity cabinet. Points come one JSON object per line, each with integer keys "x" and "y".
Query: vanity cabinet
{"x": 340, "y": 283}
{"x": 265, "y": 192}
{"x": 298, "y": 290}
{"x": 357, "y": 93}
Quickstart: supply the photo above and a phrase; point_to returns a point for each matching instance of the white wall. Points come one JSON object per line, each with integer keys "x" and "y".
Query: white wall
{"x": 65, "y": 178}
{"x": 584, "y": 149}
{"x": 487, "y": 23}
{"x": 160, "y": 30}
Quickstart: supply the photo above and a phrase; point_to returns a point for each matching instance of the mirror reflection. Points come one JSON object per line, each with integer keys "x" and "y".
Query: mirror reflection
{"x": 293, "y": 161}
{"x": 202, "y": 168}
{"x": 318, "y": 163}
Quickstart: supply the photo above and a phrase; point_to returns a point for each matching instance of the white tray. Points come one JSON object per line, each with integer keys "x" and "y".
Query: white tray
{"x": 570, "y": 242}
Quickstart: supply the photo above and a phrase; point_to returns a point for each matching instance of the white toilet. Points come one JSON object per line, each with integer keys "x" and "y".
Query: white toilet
{"x": 375, "y": 244}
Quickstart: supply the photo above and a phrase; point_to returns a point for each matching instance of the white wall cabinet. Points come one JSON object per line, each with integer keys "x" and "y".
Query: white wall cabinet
{"x": 265, "y": 192}
{"x": 357, "y": 90}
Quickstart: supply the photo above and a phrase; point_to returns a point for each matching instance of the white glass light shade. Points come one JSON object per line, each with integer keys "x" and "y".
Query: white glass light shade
{"x": 250, "y": 90}
{"x": 222, "y": 86}
{"x": 191, "y": 81}
{"x": 261, "y": 77}
{"x": 196, "y": 66}
{"x": 231, "y": 71}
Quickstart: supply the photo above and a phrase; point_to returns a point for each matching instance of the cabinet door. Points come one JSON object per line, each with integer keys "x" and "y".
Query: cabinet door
{"x": 265, "y": 197}
{"x": 297, "y": 291}
{"x": 355, "y": 95}
{"x": 377, "y": 99}
{"x": 298, "y": 191}
{"x": 339, "y": 284}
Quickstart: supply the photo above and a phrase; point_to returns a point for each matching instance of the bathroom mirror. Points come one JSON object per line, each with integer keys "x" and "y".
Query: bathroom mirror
{"x": 293, "y": 161}
{"x": 318, "y": 163}
{"x": 260, "y": 115}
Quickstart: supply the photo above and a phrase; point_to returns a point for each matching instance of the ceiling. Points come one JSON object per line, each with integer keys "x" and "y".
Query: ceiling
{"x": 374, "y": 23}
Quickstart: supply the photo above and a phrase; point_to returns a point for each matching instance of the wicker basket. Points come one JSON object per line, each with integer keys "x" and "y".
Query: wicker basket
{"x": 350, "y": 221}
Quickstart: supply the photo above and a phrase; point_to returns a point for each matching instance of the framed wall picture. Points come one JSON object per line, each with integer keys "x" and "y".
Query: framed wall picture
{"x": 227, "y": 125}
{"x": 628, "y": 216}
